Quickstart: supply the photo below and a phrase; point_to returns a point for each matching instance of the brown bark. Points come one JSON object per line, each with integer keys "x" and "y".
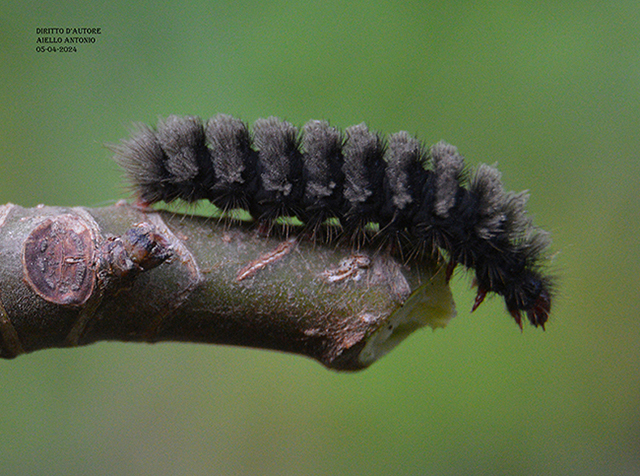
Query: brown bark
{"x": 74, "y": 276}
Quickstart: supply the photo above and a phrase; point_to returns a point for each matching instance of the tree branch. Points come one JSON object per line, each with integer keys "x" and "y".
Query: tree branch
{"x": 74, "y": 276}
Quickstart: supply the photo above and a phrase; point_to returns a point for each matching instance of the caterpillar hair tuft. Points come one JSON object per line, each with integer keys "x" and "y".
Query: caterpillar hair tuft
{"x": 422, "y": 200}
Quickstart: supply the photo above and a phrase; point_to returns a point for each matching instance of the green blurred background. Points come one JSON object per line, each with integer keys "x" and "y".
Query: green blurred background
{"x": 549, "y": 90}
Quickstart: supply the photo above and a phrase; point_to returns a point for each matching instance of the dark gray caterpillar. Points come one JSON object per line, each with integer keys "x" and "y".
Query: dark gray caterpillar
{"x": 422, "y": 201}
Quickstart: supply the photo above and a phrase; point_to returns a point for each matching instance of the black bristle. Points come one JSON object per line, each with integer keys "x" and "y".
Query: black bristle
{"x": 234, "y": 163}
{"x": 143, "y": 160}
{"x": 322, "y": 172}
{"x": 187, "y": 161}
{"x": 279, "y": 170}
{"x": 405, "y": 176}
{"x": 364, "y": 169}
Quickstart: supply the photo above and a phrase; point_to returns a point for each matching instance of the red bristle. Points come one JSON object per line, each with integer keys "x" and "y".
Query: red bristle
{"x": 517, "y": 316}
{"x": 482, "y": 293}
{"x": 451, "y": 266}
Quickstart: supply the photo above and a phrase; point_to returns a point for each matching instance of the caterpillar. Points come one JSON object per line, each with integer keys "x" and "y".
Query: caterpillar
{"x": 423, "y": 200}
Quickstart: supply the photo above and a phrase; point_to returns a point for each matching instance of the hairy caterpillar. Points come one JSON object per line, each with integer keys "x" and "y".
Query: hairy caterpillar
{"x": 422, "y": 200}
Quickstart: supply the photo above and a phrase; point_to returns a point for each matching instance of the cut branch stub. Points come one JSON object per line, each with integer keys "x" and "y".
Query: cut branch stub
{"x": 57, "y": 258}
